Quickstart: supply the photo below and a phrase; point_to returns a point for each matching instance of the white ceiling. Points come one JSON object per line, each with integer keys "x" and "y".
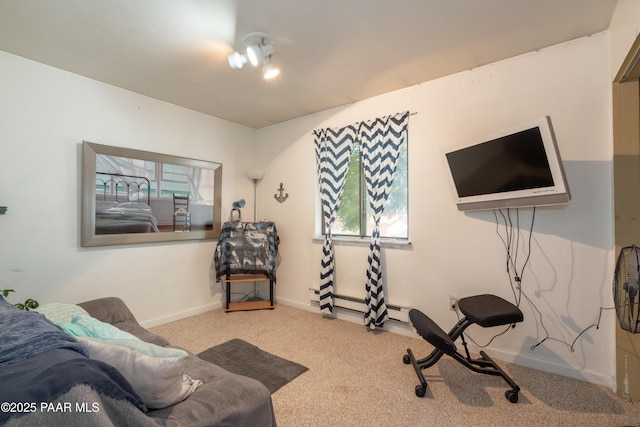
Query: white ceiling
{"x": 331, "y": 52}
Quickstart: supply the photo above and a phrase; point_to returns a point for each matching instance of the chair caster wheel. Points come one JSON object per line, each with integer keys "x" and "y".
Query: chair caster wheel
{"x": 512, "y": 396}
{"x": 421, "y": 390}
{"x": 405, "y": 359}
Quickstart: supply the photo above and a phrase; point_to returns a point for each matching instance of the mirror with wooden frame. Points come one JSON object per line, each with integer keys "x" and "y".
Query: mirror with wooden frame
{"x": 134, "y": 196}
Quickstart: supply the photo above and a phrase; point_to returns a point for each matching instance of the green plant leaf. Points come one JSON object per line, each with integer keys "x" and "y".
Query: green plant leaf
{"x": 6, "y": 292}
{"x": 31, "y": 304}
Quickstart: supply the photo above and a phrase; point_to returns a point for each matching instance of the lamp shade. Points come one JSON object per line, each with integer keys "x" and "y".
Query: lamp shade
{"x": 255, "y": 174}
{"x": 257, "y": 53}
{"x": 254, "y": 55}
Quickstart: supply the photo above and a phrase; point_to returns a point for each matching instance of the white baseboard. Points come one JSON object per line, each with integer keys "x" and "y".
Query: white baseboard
{"x": 397, "y": 327}
{"x": 394, "y": 312}
{"x": 179, "y": 315}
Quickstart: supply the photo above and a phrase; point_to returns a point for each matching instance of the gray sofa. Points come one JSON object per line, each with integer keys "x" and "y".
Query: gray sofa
{"x": 223, "y": 399}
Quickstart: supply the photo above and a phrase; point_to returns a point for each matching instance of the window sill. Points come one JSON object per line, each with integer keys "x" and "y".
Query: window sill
{"x": 356, "y": 241}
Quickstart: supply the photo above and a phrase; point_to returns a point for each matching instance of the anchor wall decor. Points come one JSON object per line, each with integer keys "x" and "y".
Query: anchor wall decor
{"x": 280, "y": 197}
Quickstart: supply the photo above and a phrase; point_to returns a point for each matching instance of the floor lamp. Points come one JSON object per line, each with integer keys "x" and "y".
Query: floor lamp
{"x": 255, "y": 175}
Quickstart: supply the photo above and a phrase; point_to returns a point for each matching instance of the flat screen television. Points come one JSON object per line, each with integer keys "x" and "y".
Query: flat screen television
{"x": 518, "y": 167}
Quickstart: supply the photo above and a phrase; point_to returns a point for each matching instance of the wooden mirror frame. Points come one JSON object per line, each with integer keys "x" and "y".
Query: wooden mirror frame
{"x": 88, "y": 216}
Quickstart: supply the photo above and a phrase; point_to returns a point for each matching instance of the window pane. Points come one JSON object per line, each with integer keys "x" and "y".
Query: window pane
{"x": 175, "y": 179}
{"x": 348, "y": 217}
{"x": 354, "y": 214}
{"x": 394, "y": 222}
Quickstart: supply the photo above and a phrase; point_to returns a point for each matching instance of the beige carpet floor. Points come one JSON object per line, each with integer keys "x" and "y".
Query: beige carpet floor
{"x": 356, "y": 377}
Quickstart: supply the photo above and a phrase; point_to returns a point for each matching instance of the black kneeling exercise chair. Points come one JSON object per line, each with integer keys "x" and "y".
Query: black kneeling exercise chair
{"x": 484, "y": 310}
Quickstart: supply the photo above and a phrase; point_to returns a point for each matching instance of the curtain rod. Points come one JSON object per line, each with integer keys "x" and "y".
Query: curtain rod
{"x": 357, "y": 123}
{"x": 410, "y": 113}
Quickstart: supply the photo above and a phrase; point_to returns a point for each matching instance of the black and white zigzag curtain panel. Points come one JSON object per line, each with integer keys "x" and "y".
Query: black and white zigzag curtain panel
{"x": 333, "y": 152}
{"x": 380, "y": 142}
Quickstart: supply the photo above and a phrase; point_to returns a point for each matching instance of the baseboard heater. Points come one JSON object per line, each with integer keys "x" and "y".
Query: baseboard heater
{"x": 395, "y": 312}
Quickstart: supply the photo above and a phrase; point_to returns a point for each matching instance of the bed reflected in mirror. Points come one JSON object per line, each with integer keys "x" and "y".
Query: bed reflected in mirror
{"x": 134, "y": 196}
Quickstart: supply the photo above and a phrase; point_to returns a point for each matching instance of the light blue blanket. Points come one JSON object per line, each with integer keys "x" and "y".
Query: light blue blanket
{"x": 24, "y": 334}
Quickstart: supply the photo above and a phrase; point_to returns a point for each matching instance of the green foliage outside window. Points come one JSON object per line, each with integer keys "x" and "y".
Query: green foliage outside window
{"x": 354, "y": 216}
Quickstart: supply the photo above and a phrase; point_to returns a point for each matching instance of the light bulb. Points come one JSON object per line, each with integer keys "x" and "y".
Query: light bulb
{"x": 270, "y": 71}
{"x": 237, "y": 60}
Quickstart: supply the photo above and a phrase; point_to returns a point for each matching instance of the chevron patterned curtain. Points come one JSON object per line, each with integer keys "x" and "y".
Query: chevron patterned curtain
{"x": 333, "y": 151}
{"x": 380, "y": 140}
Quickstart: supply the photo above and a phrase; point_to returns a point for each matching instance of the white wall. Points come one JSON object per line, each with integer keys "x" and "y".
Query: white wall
{"x": 45, "y": 114}
{"x": 624, "y": 28}
{"x": 568, "y": 277}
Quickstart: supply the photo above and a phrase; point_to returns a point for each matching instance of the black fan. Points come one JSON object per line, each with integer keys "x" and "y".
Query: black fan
{"x": 626, "y": 286}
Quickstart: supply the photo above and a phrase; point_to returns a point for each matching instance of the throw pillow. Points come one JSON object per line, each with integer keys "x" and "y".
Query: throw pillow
{"x": 157, "y": 380}
{"x": 147, "y": 348}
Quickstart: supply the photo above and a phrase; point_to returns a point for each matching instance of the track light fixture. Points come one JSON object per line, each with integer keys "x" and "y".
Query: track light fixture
{"x": 258, "y": 50}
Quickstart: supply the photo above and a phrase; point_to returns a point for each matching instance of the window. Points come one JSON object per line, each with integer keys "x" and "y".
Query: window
{"x": 174, "y": 179}
{"x": 354, "y": 217}
{"x": 164, "y": 179}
